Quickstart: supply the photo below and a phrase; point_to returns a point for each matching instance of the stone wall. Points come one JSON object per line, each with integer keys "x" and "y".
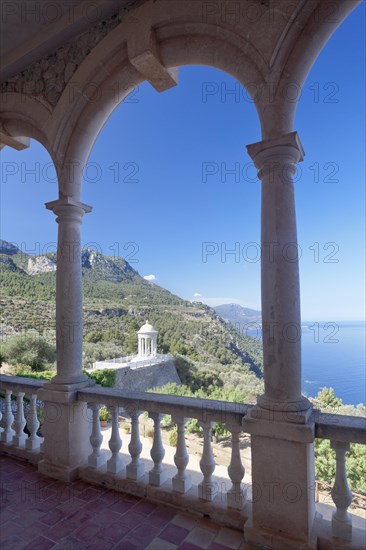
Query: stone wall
{"x": 145, "y": 378}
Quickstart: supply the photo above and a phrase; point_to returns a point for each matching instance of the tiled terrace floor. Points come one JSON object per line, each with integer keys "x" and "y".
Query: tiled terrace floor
{"x": 39, "y": 513}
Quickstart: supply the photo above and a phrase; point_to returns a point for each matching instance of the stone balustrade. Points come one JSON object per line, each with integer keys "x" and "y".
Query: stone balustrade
{"x": 124, "y": 469}
{"x": 128, "y": 472}
{"x": 20, "y": 410}
{"x": 341, "y": 430}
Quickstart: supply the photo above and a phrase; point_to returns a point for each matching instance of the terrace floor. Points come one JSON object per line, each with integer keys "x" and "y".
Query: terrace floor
{"x": 39, "y": 513}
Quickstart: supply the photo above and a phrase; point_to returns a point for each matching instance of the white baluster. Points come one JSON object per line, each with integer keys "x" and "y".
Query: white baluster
{"x": 8, "y": 433}
{"x": 181, "y": 482}
{"x": 135, "y": 469}
{"x": 34, "y": 441}
{"x": 20, "y": 437}
{"x": 115, "y": 464}
{"x": 341, "y": 494}
{"x": 235, "y": 496}
{"x": 157, "y": 475}
{"x": 95, "y": 459}
{"x": 207, "y": 489}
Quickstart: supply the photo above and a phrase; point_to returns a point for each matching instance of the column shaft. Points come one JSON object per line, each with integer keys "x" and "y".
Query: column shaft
{"x": 281, "y": 323}
{"x": 69, "y": 298}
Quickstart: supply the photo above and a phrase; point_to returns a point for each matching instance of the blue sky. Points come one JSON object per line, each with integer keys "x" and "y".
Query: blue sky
{"x": 160, "y": 185}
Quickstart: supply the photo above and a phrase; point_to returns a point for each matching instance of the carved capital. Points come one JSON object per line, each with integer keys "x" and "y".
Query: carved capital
{"x": 68, "y": 209}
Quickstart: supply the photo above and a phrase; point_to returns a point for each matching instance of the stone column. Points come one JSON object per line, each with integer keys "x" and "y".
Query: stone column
{"x": 69, "y": 292}
{"x": 281, "y": 324}
{"x": 281, "y": 426}
{"x": 67, "y": 426}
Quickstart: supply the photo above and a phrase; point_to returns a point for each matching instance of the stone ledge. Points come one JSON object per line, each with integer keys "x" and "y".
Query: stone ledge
{"x": 33, "y": 457}
{"x": 215, "y": 510}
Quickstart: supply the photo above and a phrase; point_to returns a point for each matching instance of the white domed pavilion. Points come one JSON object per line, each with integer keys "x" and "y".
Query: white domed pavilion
{"x": 147, "y": 341}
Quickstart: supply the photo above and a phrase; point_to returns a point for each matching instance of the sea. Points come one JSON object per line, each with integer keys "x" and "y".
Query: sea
{"x": 333, "y": 355}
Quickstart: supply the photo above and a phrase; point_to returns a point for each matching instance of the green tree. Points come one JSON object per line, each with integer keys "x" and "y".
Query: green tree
{"x": 30, "y": 350}
{"x": 327, "y": 398}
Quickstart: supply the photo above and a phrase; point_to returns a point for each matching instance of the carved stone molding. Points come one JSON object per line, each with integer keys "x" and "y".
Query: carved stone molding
{"x": 48, "y": 77}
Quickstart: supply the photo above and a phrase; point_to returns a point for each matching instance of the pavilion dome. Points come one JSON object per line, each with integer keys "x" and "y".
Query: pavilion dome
{"x": 147, "y": 329}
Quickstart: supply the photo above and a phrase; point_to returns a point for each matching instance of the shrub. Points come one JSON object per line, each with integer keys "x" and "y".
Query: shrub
{"x": 104, "y": 377}
{"x": 173, "y": 437}
{"x": 29, "y": 350}
{"x": 104, "y": 414}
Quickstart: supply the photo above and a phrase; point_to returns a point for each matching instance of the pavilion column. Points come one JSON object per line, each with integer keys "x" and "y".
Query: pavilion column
{"x": 281, "y": 425}
{"x": 67, "y": 425}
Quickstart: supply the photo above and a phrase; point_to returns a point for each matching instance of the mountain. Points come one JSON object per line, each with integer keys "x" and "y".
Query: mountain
{"x": 117, "y": 301}
{"x": 242, "y": 318}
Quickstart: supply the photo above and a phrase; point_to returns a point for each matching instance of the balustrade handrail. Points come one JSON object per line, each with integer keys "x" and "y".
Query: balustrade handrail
{"x": 191, "y": 407}
{"x": 340, "y": 427}
{"x": 19, "y": 383}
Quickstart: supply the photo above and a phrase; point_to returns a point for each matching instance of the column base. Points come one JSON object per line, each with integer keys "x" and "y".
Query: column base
{"x": 7, "y": 437}
{"x": 96, "y": 462}
{"x": 275, "y": 541}
{"x": 58, "y": 472}
{"x": 33, "y": 444}
{"x": 62, "y": 385}
{"x": 207, "y": 492}
{"x": 283, "y": 480}
{"x": 135, "y": 472}
{"x": 298, "y": 411}
{"x": 115, "y": 466}
{"x": 342, "y": 529}
{"x": 66, "y": 428}
{"x": 19, "y": 440}
{"x": 157, "y": 478}
{"x": 235, "y": 500}
{"x": 181, "y": 485}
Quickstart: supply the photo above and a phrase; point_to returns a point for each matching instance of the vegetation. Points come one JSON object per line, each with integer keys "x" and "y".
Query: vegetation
{"x": 325, "y": 462}
{"x": 104, "y": 377}
{"x": 117, "y": 300}
{"x": 30, "y": 350}
{"x": 212, "y": 359}
{"x": 104, "y": 414}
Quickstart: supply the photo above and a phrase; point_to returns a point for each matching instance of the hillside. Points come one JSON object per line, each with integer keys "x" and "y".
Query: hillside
{"x": 117, "y": 300}
{"x": 242, "y": 318}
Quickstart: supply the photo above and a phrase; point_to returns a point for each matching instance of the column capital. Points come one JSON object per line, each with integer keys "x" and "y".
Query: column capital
{"x": 287, "y": 146}
{"x": 67, "y": 205}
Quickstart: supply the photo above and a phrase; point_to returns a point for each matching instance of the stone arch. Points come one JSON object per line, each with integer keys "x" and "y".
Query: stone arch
{"x": 96, "y": 95}
{"x": 26, "y": 116}
{"x": 294, "y": 55}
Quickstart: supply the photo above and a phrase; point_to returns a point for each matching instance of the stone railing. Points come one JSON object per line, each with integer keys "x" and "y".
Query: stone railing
{"x": 133, "y": 361}
{"x": 341, "y": 430}
{"x": 176, "y": 489}
{"x": 18, "y": 414}
{"x": 19, "y": 409}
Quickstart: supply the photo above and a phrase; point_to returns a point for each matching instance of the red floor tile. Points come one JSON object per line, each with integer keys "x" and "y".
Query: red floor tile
{"x": 12, "y": 543}
{"x": 174, "y": 533}
{"x": 40, "y": 543}
{"x": 53, "y": 517}
{"x": 143, "y": 535}
{"x": 38, "y": 513}
{"x": 105, "y": 517}
{"x": 132, "y": 519}
{"x": 87, "y": 532}
{"x": 115, "y": 532}
{"x": 160, "y": 517}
